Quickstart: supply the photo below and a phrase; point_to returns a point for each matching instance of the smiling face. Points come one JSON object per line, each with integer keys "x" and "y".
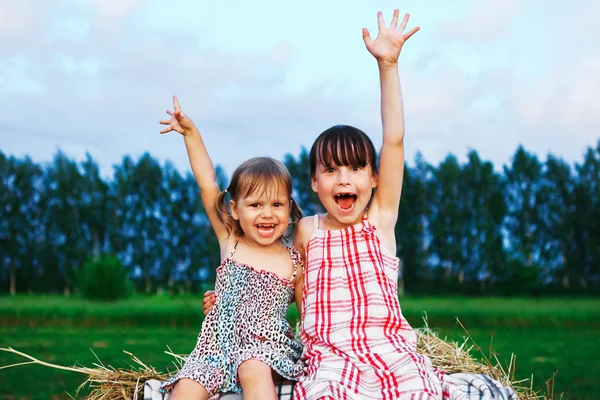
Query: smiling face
{"x": 343, "y": 173}
{"x": 344, "y": 191}
{"x": 261, "y": 204}
{"x": 263, "y": 215}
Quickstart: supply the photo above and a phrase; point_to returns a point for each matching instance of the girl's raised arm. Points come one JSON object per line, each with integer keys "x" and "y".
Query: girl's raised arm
{"x": 202, "y": 166}
{"x": 386, "y": 49}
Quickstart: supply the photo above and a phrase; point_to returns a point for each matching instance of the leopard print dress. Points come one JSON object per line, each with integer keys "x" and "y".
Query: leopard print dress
{"x": 248, "y": 321}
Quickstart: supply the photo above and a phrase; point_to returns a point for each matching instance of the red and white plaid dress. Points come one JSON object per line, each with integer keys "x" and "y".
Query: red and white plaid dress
{"x": 357, "y": 343}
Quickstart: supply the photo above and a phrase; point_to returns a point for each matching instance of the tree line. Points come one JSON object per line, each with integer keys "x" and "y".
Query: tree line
{"x": 532, "y": 227}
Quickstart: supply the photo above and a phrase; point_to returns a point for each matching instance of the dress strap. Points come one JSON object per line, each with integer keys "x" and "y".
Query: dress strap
{"x": 365, "y": 220}
{"x": 296, "y": 258}
{"x": 316, "y": 221}
{"x": 234, "y": 247}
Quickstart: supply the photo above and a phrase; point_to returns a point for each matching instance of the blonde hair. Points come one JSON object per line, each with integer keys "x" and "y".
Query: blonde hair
{"x": 257, "y": 174}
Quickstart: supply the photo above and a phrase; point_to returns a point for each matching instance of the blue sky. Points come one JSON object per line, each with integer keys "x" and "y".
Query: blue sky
{"x": 266, "y": 77}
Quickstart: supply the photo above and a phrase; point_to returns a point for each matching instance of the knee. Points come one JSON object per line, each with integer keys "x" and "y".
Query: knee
{"x": 188, "y": 389}
{"x": 254, "y": 372}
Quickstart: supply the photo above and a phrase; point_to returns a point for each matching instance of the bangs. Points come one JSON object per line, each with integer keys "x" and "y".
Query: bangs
{"x": 271, "y": 187}
{"x": 267, "y": 179}
{"x": 337, "y": 151}
{"x": 343, "y": 146}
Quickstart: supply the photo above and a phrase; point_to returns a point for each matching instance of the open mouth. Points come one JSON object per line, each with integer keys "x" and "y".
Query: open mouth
{"x": 345, "y": 201}
{"x": 265, "y": 229}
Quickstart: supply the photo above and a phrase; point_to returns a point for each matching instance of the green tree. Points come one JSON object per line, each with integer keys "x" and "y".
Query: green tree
{"x": 447, "y": 216}
{"x": 21, "y": 219}
{"x": 411, "y": 228}
{"x": 524, "y": 221}
{"x": 145, "y": 196}
{"x": 556, "y": 209}
{"x": 484, "y": 211}
{"x": 63, "y": 219}
{"x": 95, "y": 207}
{"x": 587, "y": 220}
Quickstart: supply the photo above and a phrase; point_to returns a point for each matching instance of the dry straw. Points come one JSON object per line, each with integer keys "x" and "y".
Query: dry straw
{"x": 109, "y": 383}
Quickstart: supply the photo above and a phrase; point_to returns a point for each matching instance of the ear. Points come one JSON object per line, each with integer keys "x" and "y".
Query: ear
{"x": 374, "y": 180}
{"x": 232, "y": 206}
{"x": 313, "y": 184}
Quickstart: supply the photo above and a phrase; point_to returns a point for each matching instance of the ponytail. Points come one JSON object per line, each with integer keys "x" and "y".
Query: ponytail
{"x": 296, "y": 215}
{"x": 225, "y": 215}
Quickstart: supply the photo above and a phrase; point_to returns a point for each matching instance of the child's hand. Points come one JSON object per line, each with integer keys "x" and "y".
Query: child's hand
{"x": 209, "y": 301}
{"x": 179, "y": 122}
{"x": 389, "y": 41}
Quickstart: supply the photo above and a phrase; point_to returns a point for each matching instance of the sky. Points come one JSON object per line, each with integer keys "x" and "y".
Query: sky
{"x": 266, "y": 77}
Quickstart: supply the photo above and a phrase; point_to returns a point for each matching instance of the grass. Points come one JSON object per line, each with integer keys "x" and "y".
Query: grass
{"x": 187, "y": 311}
{"x": 548, "y": 335}
{"x": 539, "y": 351}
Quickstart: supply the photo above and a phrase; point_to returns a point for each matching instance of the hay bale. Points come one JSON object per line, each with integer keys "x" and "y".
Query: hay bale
{"x": 108, "y": 383}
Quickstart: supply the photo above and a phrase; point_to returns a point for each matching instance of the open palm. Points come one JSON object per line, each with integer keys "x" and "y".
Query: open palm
{"x": 179, "y": 122}
{"x": 389, "y": 41}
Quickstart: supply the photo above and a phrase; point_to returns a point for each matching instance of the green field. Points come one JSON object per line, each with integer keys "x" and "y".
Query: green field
{"x": 546, "y": 335}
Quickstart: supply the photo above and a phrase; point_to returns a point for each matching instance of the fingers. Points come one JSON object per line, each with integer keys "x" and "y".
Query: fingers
{"x": 166, "y": 122}
{"x": 208, "y": 302}
{"x": 367, "y": 37}
{"x": 176, "y": 105}
{"x": 380, "y": 21}
{"x": 411, "y": 32}
{"x": 404, "y": 22}
{"x": 394, "y": 22}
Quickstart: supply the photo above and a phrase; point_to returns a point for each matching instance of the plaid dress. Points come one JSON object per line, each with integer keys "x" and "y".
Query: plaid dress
{"x": 357, "y": 343}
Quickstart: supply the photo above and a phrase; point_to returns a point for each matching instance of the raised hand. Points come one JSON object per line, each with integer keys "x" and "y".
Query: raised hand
{"x": 389, "y": 41}
{"x": 179, "y": 122}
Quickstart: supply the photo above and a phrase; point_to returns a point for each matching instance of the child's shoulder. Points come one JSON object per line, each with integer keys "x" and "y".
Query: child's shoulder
{"x": 307, "y": 225}
{"x": 305, "y": 221}
{"x": 304, "y": 230}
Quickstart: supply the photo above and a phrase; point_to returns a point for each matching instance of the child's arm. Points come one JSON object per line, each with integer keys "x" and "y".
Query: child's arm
{"x": 202, "y": 166}
{"x": 298, "y": 289}
{"x": 386, "y": 49}
{"x": 303, "y": 232}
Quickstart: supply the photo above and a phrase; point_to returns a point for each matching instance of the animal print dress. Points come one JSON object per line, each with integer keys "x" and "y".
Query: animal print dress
{"x": 248, "y": 321}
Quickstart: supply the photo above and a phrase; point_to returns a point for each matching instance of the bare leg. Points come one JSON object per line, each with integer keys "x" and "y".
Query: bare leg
{"x": 256, "y": 380}
{"x": 187, "y": 389}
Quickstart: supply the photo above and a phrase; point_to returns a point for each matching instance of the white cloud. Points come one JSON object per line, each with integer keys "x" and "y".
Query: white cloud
{"x": 485, "y": 22}
{"x": 103, "y": 79}
{"x": 16, "y": 17}
{"x": 117, "y": 8}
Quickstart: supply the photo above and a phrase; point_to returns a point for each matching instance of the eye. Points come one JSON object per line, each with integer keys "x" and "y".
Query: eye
{"x": 254, "y": 205}
{"x": 356, "y": 168}
{"x": 330, "y": 170}
{"x": 278, "y": 204}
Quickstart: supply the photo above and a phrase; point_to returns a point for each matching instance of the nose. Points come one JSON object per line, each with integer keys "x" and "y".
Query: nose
{"x": 266, "y": 212}
{"x": 343, "y": 176}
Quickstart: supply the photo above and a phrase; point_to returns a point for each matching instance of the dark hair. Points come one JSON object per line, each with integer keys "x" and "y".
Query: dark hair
{"x": 259, "y": 174}
{"x": 343, "y": 145}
